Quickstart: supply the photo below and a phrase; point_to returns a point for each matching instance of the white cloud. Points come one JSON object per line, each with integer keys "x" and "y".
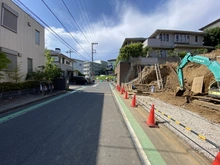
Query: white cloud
{"x": 173, "y": 14}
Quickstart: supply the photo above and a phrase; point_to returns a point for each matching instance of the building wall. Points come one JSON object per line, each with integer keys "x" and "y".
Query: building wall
{"x": 22, "y": 43}
{"x": 97, "y": 67}
{"x": 78, "y": 65}
{"x": 170, "y": 41}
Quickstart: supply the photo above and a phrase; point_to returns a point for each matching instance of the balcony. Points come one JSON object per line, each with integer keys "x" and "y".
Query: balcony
{"x": 152, "y": 42}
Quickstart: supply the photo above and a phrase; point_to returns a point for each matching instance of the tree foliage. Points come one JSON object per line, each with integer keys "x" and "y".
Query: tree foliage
{"x": 4, "y": 61}
{"x": 51, "y": 70}
{"x": 212, "y": 36}
{"x": 128, "y": 51}
{"x": 15, "y": 74}
{"x": 48, "y": 72}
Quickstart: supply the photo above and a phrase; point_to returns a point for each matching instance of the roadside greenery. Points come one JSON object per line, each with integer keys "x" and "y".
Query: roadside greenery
{"x": 105, "y": 78}
{"x": 212, "y": 37}
{"x": 132, "y": 50}
{"x": 48, "y": 72}
{"x": 15, "y": 74}
{"x": 4, "y": 61}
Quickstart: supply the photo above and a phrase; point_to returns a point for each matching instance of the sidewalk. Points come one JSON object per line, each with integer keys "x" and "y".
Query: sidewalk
{"x": 19, "y": 101}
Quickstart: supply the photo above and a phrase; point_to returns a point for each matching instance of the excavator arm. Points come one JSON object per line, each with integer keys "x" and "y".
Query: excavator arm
{"x": 213, "y": 66}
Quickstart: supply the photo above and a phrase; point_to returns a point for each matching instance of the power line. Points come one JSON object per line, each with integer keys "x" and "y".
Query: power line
{"x": 53, "y": 32}
{"x": 64, "y": 27}
{"x": 89, "y": 18}
{"x": 75, "y": 21}
{"x": 84, "y": 20}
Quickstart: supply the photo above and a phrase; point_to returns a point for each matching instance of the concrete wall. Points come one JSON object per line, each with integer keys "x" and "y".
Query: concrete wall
{"x": 122, "y": 71}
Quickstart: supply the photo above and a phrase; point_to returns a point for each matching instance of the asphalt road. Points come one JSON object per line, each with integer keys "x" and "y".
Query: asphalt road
{"x": 82, "y": 127}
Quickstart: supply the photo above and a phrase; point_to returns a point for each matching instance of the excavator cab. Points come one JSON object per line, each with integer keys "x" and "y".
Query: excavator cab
{"x": 214, "y": 89}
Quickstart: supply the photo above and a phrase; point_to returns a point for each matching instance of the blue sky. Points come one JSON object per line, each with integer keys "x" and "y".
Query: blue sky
{"x": 109, "y": 22}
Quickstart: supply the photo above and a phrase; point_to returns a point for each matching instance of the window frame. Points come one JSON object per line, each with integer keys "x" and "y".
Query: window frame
{"x": 37, "y": 37}
{"x": 12, "y": 12}
{"x": 29, "y": 69}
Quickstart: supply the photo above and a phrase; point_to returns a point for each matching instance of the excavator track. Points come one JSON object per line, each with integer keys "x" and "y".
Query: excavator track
{"x": 206, "y": 101}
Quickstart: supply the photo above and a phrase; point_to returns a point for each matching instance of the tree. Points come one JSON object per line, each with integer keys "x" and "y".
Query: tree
{"x": 51, "y": 70}
{"x": 128, "y": 51}
{"x": 4, "y": 61}
{"x": 212, "y": 36}
{"x": 15, "y": 74}
{"x": 199, "y": 51}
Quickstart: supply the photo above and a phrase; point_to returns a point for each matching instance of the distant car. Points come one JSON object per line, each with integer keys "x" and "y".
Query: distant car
{"x": 79, "y": 80}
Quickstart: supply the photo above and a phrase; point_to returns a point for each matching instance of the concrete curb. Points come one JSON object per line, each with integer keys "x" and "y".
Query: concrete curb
{"x": 4, "y": 110}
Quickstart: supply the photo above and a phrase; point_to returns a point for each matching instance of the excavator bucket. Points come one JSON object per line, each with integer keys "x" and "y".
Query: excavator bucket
{"x": 179, "y": 91}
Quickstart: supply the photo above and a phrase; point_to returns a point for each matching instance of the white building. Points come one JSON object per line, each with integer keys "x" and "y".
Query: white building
{"x": 78, "y": 65}
{"x": 21, "y": 38}
{"x": 99, "y": 67}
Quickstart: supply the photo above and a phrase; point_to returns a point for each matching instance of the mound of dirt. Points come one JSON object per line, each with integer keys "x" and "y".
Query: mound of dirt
{"x": 170, "y": 82}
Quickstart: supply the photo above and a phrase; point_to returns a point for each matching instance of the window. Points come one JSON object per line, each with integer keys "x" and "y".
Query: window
{"x": 37, "y": 37}
{"x": 161, "y": 37}
{"x": 29, "y": 65}
{"x": 181, "y": 38}
{"x": 13, "y": 59}
{"x": 167, "y": 39}
{"x": 67, "y": 62}
{"x": 196, "y": 38}
{"x": 176, "y": 37}
{"x": 187, "y": 38}
{"x": 9, "y": 18}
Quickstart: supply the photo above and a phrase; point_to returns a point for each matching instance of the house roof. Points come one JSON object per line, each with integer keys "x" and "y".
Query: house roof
{"x": 141, "y": 39}
{"x": 210, "y": 24}
{"x": 158, "y": 31}
{"x": 54, "y": 53}
{"x": 112, "y": 60}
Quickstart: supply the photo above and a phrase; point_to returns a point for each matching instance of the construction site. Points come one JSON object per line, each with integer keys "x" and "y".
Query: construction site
{"x": 161, "y": 81}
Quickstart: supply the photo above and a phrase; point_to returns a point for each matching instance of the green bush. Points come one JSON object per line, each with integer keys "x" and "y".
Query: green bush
{"x": 9, "y": 86}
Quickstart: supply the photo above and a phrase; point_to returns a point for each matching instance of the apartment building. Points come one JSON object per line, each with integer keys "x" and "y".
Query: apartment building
{"x": 63, "y": 62}
{"x": 163, "y": 40}
{"x": 98, "y": 67}
{"x": 78, "y": 65}
{"x": 21, "y": 39}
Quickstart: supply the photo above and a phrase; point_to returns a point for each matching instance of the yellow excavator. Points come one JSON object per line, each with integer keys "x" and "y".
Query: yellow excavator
{"x": 213, "y": 66}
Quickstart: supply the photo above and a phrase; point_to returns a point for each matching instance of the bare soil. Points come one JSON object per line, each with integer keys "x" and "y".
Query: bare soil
{"x": 190, "y": 71}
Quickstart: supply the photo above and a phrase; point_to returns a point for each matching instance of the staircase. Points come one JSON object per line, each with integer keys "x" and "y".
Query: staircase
{"x": 158, "y": 74}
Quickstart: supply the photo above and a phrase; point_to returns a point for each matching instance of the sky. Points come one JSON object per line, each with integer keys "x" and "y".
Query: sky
{"x": 79, "y": 23}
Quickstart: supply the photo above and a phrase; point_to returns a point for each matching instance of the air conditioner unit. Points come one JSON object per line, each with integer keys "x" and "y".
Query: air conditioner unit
{"x": 19, "y": 55}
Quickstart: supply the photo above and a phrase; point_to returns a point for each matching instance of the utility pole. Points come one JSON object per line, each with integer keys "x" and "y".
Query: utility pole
{"x": 93, "y": 51}
{"x": 71, "y": 51}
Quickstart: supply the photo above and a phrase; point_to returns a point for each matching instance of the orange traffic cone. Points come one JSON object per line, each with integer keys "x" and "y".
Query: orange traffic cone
{"x": 217, "y": 160}
{"x": 122, "y": 90}
{"x": 126, "y": 95}
{"x": 151, "y": 119}
{"x": 133, "y": 102}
